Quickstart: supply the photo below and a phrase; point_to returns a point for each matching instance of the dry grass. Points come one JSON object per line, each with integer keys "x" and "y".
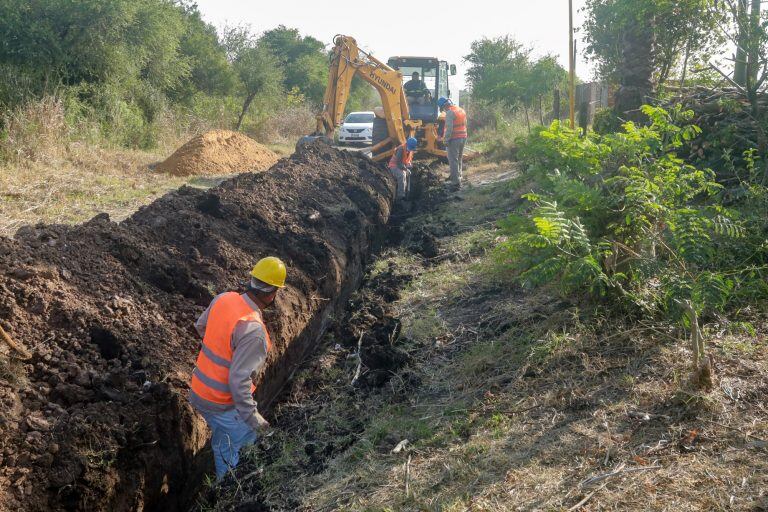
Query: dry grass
{"x": 49, "y": 173}
{"x": 527, "y": 408}
{"x": 79, "y": 185}
{"x": 287, "y": 126}
{"x": 37, "y": 131}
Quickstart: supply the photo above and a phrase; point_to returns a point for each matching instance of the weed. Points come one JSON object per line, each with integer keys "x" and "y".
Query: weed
{"x": 740, "y": 345}
{"x": 621, "y": 219}
{"x": 426, "y": 327}
{"x": 546, "y": 347}
{"x": 12, "y": 371}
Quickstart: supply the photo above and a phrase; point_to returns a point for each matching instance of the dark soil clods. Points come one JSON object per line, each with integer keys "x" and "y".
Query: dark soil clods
{"x": 107, "y": 310}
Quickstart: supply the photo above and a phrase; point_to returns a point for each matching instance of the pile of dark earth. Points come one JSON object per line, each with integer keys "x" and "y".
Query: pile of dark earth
{"x": 97, "y": 419}
{"x": 351, "y": 371}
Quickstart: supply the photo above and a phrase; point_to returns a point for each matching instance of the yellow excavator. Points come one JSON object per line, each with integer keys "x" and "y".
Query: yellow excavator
{"x": 406, "y": 111}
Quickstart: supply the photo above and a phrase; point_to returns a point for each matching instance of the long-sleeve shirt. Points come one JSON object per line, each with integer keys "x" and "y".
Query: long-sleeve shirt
{"x": 450, "y": 117}
{"x": 249, "y": 353}
{"x": 399, "y": 159}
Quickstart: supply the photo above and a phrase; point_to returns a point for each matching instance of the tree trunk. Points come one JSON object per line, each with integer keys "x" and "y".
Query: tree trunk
{"x": 684, "y": 74}
{"x": 753, "y": 65}
{"x": 667, "y": 64}
{"x": 541, "y": 109}
{"x": 740, "y": 69}
{"x": 584, "y": 117}
{"x": 527, "y": 119}
{"x": 556, "y": 105}
{"x": 636, "y": 70}
{"x": 246, "y": 105}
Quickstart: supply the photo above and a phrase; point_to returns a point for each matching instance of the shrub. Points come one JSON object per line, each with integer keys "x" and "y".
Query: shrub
{"x": 620, "y": 217}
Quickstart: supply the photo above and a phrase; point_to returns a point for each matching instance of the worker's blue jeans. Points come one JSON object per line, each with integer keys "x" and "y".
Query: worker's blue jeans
{"x": 230, "y": 434}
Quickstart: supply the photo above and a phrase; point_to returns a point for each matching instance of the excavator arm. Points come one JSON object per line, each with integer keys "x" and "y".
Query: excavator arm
{"x": 347, "y": 61}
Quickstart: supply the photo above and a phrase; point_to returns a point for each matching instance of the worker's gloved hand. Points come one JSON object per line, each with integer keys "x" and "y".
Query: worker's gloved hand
{"x": 263, "y": 424}
{"x": 258, "y": 423}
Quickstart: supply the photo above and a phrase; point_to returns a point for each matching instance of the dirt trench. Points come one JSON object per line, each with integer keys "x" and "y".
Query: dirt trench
{"x": 97, "y": 418}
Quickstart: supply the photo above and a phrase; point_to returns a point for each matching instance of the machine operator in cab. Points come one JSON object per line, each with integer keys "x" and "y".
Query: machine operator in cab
{"x": 416, "y": 90}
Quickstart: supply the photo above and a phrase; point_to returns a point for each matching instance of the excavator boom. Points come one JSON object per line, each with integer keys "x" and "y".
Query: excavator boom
{"x": 348, "y": 61}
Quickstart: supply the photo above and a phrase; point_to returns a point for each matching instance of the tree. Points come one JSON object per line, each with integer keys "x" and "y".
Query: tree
{"x": 502, "y": 72}
{"x": 679, "y": 29}
{"x": 748, "y": 36}
{"x": 210, "y": 72}
{"x": 65, "y": 42}
{"x": 302, "y": 59}
{"x": 635, "y": 69}
{"x": 259, "y": 72}
{"x": 493, "y": 63}
{"x": 136, "y": 51}
{"x": 747, "y": 28}
{"x": 547, "y": 75}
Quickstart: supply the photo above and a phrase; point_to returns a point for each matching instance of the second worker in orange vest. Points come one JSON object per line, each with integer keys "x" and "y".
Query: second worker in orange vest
{"x": 455, "y": 136}
{"x": 234, "y": 349}
{"x": 400, "y": 166}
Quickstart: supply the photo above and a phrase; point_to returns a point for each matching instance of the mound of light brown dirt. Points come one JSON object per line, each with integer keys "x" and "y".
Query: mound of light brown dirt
{"x": 97, "y": 419}
{"x": 217, "y": 153}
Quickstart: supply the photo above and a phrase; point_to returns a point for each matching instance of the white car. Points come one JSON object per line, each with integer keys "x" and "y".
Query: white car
{"x": 357, "y": 128}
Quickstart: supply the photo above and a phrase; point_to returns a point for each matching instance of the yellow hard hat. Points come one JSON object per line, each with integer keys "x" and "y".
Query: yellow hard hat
{"x": 270, "y": 270}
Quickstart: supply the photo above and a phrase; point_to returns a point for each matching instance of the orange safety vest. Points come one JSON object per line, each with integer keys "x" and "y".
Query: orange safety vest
{"x": 407, "y": 158}
{"x": 210, "y": 380}
{"x": 459, "y": 123}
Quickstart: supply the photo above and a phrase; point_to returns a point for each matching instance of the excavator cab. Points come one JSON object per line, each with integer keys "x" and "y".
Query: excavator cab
{"x": 425, "y": 79}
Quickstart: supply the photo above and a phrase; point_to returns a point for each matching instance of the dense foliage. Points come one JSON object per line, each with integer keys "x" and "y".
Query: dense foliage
{"x": 121, "y": 65}
{"x": 622, "y": 218}
{"x": 681, "y": 32}
{"x": 504, "y": 73}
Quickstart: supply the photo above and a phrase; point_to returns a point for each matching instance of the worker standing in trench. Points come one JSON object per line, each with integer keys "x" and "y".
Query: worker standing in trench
{"x": 400, "y": 166}
{"x": 455, "y": 137}
{"x": 235, "y": 346}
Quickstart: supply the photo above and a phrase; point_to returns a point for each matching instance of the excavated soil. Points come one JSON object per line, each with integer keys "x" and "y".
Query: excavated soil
{"x": 367, "y": 345}
{"x": 217, "y": 153}
{"x": 97, "y": 419}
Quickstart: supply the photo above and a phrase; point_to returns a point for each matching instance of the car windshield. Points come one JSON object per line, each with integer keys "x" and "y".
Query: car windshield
{"x": 359, "y": 118}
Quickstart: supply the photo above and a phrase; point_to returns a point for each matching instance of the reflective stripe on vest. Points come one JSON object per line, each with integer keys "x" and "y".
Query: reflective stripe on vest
{"x": 459, "y": 123}
{"x": 407, "y": 158}
{"x": 210, "y": 380}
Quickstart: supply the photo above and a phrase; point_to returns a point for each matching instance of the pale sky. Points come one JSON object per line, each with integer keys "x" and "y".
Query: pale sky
{"x": 540, "y": 23}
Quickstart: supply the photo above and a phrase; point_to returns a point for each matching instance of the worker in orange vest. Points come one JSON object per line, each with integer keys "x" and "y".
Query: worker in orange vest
{"x": 455, "y": 137}
{"x": 235, "y": 347}
{"x": 400, "y": 166}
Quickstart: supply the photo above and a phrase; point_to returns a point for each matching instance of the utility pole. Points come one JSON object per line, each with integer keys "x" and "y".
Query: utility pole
{"x": 572, "y": 65}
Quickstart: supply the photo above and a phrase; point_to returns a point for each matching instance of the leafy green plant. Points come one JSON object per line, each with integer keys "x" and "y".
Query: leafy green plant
{"x": 621, "y": 217}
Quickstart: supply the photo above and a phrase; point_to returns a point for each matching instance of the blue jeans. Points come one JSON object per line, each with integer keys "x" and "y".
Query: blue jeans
{"x": 230, "y": 434}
